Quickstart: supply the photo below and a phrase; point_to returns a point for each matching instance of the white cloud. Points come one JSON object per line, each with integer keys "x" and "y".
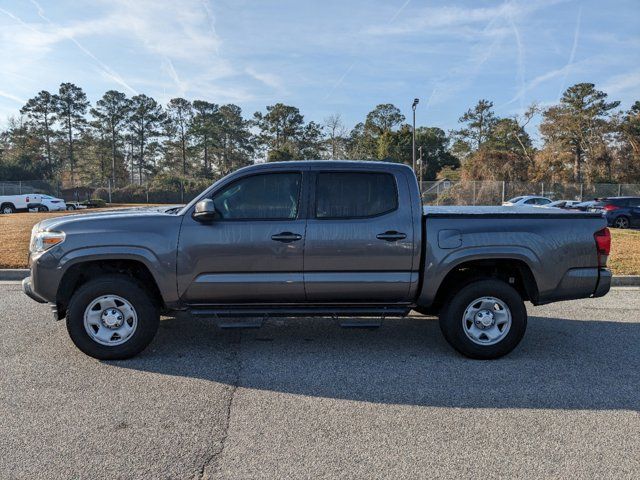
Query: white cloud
{"x": 12, "y": 97}
{"x": 269, "y": 79}
{"x": 442, "y": 19}
{"x": 167, "y": 66}
{"x": 173, "y": 36}
{"x": 572, "y": 55}
{"x": 624, "y": 83}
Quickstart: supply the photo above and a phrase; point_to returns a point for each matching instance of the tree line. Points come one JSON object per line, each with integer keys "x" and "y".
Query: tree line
{"x": 126, "y": 141}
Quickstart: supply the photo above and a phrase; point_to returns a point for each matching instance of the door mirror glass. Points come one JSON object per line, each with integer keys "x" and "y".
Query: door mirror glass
{"x": 205, "y": 210}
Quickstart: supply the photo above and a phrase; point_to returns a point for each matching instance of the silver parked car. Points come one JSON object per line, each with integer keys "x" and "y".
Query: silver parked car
{"x": 563, "y": 204}
{"x": 527, "y": 200}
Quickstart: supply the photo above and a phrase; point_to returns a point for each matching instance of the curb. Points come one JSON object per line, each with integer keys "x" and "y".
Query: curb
{"x": 617, "y": 281}
{"x": 625, "y": 281}
{"x": 14, "y": 273}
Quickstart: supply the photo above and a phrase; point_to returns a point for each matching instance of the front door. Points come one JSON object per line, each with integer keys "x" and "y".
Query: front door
{"x": 359, "y": 241}
{"x": 253, "y": 251}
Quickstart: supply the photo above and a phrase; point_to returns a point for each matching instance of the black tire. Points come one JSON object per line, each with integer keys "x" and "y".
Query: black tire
{"x": 8, "y": 208}
{"x": 43, "y": 208}
{"x": 621, "y": 222}
{"x": 70, "y": 207}
{"x": 452, "y": 314}
{"x": 127, "y": 288}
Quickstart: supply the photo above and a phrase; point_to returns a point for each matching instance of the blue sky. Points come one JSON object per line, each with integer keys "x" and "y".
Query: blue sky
{"x": 323, "y": 56}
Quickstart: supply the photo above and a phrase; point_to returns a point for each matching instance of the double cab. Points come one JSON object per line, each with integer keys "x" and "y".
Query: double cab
{"x": 314, "y": 238}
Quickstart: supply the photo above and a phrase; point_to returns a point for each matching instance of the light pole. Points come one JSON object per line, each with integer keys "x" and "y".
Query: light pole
{"x": 413, "y": 146}
{"x": 421, "y": 166}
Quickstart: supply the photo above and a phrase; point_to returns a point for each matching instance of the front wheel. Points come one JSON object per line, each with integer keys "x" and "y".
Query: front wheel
{"x": 70, "y": 207}
{"x": 112, "y": 318}
{"x": 486, "y": 319}
{"x": 43, "y": 208}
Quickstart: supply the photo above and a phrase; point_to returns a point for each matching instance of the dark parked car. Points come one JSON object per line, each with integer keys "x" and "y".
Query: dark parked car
{"x": 314, "y": 238}
{"x": 620, "y": 212}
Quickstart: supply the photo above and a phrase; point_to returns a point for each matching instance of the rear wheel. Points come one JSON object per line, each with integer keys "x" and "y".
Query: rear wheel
{"x": 8, "y": 208}
{"x": 621, "y": 222}
{"x": 484, "y": 320}
{"x": 43, "y": 208}
{"x": 71, "y": 207}
{"x": 112, "y": 318}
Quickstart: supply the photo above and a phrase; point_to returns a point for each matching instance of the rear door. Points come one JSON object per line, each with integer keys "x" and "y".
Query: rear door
{"x": 359, "y": 240}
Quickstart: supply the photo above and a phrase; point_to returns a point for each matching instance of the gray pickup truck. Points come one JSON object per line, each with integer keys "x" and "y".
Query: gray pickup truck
{"x": 314, "y": 238}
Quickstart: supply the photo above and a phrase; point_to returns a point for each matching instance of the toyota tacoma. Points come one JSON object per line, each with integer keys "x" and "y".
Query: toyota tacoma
{"x": 314, "y": 238}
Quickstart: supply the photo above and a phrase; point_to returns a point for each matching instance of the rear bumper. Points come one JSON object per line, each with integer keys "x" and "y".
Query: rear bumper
{"x": 580, "y": 283}
{"x": 604, "y": 283}
{"x": 26, "y": 288}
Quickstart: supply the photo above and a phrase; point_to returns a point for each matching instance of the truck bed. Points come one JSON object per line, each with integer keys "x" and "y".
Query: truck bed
{"x": 499, "y": 211}
{"x": 556, "y": 246}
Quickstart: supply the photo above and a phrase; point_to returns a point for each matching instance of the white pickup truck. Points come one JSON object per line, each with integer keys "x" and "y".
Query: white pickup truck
{"x": 19, "y": 203}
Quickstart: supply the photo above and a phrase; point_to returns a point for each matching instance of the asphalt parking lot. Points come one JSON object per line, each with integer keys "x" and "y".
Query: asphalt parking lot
{"x": 306, "y": 399}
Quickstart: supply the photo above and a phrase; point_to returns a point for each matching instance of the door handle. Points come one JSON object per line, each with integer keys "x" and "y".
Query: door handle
{"x": 286, "y": 237}
{"x": 391, "y": 236}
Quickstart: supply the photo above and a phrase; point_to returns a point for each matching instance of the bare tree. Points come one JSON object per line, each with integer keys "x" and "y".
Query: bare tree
{"x": 521, "y": 122}
{"x": 337, "y": 133}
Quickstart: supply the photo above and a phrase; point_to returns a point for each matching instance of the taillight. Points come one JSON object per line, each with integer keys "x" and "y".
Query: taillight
{"x": 603, "y": 245}
{"x": 609, "y": 208}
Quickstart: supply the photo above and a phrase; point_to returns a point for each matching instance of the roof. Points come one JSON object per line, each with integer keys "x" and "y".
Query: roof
{"x": 327, "y": 164}
{"x": 528, "y": 196}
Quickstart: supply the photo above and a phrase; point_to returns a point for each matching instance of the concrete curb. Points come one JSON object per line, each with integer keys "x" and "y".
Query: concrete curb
{"x": 13, "y": 273}
{"x": 626, "y": 281}
{"x": 20, "y": 273}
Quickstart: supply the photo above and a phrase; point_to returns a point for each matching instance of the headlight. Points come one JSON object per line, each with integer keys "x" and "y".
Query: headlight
{"x": 41, "y": 241}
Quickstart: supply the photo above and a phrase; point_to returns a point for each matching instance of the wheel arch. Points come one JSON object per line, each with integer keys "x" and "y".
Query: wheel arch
{"x": 513, "y": 271}
{"x": 81, "y": 271}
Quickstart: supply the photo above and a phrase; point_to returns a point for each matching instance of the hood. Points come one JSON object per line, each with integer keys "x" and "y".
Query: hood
{"x": 106, "y": 218}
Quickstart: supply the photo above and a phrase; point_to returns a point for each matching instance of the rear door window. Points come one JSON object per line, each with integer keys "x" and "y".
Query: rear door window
{"x": 355, "y": 194}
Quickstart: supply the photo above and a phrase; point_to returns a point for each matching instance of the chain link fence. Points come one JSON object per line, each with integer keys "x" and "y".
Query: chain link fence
{"x": 29, "y": 186}
{"x": 448, "y": 192}
{"x": 175, "y": 192}
{"x": 441, "y": 192}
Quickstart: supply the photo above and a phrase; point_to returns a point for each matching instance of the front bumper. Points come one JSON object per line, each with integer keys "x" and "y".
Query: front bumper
{"x": 26, "y": 288}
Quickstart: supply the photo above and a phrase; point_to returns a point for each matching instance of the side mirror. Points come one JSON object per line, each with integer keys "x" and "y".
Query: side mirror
{"x": 205, "y": 210}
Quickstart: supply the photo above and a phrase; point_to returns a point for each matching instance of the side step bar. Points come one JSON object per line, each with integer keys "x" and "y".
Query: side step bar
{"x": 293, "y": 311}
